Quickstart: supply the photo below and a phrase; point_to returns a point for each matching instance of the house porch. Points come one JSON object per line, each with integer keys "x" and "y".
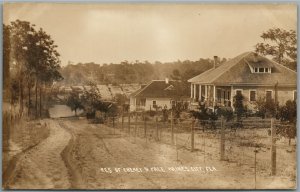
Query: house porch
{"x": 211, "y": 95}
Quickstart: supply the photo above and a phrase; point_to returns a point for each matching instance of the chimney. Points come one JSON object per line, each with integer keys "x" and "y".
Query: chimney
{"x": 255, "y": 57}
{"x": 215, "y": 61}
{"x": 167, "y": 80}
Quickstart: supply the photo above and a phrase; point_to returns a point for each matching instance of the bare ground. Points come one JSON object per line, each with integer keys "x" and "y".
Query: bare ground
{"x": 79, "y": 155}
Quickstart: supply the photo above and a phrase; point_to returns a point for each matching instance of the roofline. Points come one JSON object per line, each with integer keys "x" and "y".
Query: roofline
{"x": 216, "y": 77}
{"x": 250, "y": 84}
{"x": 231, "y": 66}
{"x": 182, "y": 97}
{"x": 281, "y": 65}
{"x": 138, "y": 92}
{"x": 200, "y": 74}
{"x": 212, "y": 82}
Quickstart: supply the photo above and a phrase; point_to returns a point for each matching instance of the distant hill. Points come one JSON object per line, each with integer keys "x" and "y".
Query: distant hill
{"x": 138, "y": 72}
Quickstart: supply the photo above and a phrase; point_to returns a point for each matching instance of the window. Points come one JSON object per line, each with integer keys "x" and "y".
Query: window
{"x": 266, "y": 70}
{"x": 219, "y": 95}
{"x": 238, "y": 92}
{"x": 173, "y": 104}
{"x": 268, "y": 95}
{"x": 261, "y": 70}
{"x": 295, "y": 95}
{"x": 154, "y": 103}
{"x": 228, "y": 95}
{"x": 253, "y": 95}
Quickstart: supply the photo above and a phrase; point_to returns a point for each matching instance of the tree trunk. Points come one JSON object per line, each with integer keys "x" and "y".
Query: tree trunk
{"x": 29, "y": 100}
{"x": 21, "y": 96}
{"x": 40, "y": 101}
{"x": 36, "y": 99}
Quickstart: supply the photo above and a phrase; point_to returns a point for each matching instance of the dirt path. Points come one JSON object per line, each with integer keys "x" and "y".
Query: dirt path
{"x": 78, "y": 155}
{"x": 42, "y": 167}
{"x": 97, "y": 150}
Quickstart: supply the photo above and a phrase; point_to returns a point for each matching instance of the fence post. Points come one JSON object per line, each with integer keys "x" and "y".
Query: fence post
{"x": 222, "y": 147}
{"x": 273, "y": 148}
{"x": 135, "y": 126}
{"x": 255, "y": 151}
{"x": 113, "y": 118}
{"x": 156, "y": 123}
{"x": 129, "y": 123}
{"x": 172, "y": 128}
{"x": 122, "y": 121}
{"x": 192, "y": 135}
{"x": 145, "y": 127}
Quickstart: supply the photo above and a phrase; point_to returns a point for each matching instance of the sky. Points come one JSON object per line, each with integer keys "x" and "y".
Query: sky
{"x": 111, "y": 33}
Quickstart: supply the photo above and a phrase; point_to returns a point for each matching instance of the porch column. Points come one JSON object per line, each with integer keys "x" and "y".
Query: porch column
{"x": 231, "y": 97}
{"x": 195, "y": 88}
{"x": 200, "y": 92}
{"x": 214, "y": 98}
{"x": 191, "y": 90}
{"x": 206, "y": 92}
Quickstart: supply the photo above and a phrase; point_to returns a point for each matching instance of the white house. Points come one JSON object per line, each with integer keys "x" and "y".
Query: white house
{"x": 251, "y": 75}
{"x": 158, "y": 94}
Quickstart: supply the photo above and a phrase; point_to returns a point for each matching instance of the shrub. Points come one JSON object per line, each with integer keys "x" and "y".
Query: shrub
{"x": 238, "y": 103}
{"x": 266, "y": 108}
{"x": 227, "y": 113}
{"x": 288, "y": 114}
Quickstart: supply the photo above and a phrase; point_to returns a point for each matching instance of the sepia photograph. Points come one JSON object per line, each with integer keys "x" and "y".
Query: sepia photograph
{"x": 149, "y": 96}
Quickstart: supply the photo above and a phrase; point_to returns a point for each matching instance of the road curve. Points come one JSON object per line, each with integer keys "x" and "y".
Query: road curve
{"x": 43, "y": 167}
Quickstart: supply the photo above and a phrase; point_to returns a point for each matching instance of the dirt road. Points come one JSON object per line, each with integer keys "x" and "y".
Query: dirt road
{"x": 79, "y": 155}
{"x": 42, "y": 167}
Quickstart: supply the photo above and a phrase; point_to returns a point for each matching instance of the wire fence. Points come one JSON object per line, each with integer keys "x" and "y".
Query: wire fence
{"x": 249, "y": 142}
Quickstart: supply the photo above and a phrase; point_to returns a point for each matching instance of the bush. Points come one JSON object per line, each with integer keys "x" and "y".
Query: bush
{"x": 239, "y": 105}
{"x": 266, "y": 108}
{"x": 204, "y": 114}
{"x": 227, "y": 113}
{"x": 288, "y": 114}
{"x": 151, "y": 113}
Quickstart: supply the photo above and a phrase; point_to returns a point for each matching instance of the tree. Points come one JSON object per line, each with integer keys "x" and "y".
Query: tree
{"x": 74, "y": 102}
{"x": 266, "y": 107}
{"x": 176, "y": 75}
{"x": 121, "y": 99}
{"x": 6, "y": 57}
{"x": 238, "y": 103}
{"x": 288, "y": 114}
{"x": 46, "y": 62}
{"x": 19, "y": 36}
{"x": 281, "y": 45}
{"x": 34, "y": 58}
{"x": 91, "y": 98}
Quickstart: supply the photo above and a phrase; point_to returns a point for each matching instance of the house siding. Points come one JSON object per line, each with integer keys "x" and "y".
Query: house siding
{"x": 284, "y": 93}
{"x": 161, "y": 102}
{"x": 132, "y": 104}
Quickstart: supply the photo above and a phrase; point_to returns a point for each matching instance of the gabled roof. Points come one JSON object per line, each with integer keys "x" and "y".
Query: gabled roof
{"x": 161, "y": 89}
{"x": 237, "y": 71}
